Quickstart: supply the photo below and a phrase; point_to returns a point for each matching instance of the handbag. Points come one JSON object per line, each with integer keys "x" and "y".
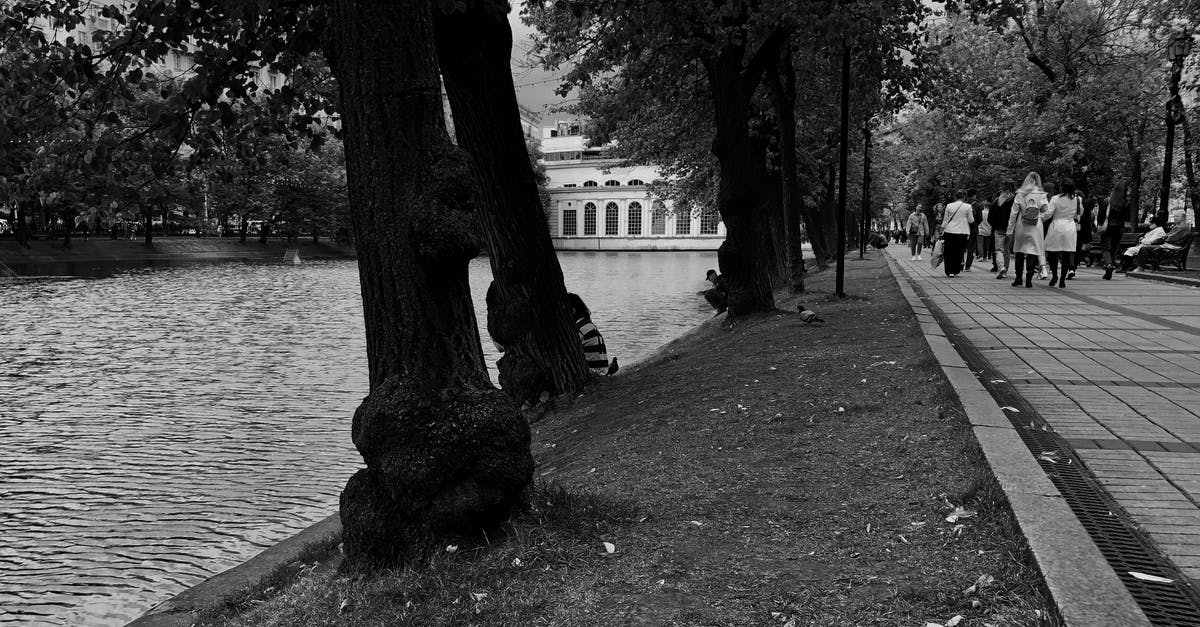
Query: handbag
{"x": 939, "y": 251}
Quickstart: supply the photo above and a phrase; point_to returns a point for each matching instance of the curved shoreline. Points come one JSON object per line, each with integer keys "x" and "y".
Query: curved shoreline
{"x": 183, "y": 608}
{"x": 49, "y": 257}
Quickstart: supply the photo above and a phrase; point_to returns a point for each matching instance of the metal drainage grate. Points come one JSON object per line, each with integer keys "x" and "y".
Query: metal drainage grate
{"x": 1123, "y": 546}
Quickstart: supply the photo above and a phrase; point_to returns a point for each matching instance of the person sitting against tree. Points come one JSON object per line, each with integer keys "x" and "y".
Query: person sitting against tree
{"x": 594, "y": 350}
{"x": 718, "y": 294}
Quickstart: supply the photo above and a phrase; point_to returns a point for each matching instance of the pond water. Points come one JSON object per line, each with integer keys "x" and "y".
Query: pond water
{"x": 161, "y": 425}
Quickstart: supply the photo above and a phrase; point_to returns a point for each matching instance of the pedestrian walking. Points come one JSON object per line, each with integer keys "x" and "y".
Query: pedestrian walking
{"x": 918, "y": 230}
{"x": 973, "y": 236}
{"x": 998, "y": 219}
{"x": 985, "y": 245}
{"x": 1110, "y": 223}
{"x": 1025, "y": 227}
{"x": 1085, "y": 226}
{"x": 1061, "y": 238}
{"x": 956, "y": 230}
{"x": 1043, "y": 263}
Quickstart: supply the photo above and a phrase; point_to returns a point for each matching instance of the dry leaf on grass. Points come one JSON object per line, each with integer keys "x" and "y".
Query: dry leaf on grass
{"x": 960, "y": 513}
{"x": 981, "y": 583}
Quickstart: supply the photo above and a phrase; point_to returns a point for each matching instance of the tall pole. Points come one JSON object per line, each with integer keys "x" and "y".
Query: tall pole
{"x": 841, "y": 215}
{"x": 866, "y": 190}
{"x": 1176, "y": 71}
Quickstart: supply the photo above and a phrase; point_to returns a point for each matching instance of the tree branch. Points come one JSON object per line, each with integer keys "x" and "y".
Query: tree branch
{"x": 764, "y": 57}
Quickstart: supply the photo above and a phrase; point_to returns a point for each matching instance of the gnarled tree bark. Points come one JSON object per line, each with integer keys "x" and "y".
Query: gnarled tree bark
{"x": 446, "y": 452}
{"x": 527, "y": 307}
{"x": 746, "y": 256}
{"x": 782, "y": 81}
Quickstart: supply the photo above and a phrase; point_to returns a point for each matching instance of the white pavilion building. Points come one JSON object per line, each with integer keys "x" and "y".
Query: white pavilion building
{"x": 596, "y": 205}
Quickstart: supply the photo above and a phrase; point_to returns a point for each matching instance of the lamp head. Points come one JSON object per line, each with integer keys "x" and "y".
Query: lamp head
{"x": 1180, "y": 46}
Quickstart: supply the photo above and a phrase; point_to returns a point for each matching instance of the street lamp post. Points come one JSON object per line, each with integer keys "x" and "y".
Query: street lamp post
{"x": 1179, "y": 48}
{"x": 840, "y": 276}
{"x": 864, "y": 222}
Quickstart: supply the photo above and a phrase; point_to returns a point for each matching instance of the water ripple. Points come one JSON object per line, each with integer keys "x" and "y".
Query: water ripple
{"x": 158, "y": 426}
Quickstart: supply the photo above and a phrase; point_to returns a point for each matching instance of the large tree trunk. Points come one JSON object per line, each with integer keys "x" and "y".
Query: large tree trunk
{"x": 1189, "y": 169}
{"x": 829, "y": 211}
{"x": 527, "y": 301}
{"x": 771, "y": 182}
{"x": 782, "y": 82}
{"x": 745, "y": 256}
{"x": 446, "y": 452}
{"x": 1134, "y": 189}
{"x": 148, "y": 221}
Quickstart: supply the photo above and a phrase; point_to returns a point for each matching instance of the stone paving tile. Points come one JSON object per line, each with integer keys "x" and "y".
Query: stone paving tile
{"x": 1111, "y": 364}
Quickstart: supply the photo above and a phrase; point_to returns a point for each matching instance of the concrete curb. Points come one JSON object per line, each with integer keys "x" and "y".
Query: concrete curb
{"x": 1163, "y": 278}
{"x": 182, "y": 609}
{"x": 1082, "y": 584}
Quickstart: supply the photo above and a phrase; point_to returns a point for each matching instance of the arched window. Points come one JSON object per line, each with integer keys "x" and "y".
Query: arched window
{"x": 636, "y": 182}
{"x": 611, "y": 183}
{"x": 591, "y": 184}
{"x": 570, "y": 224}
{"x": 658, "y": 218}
{"x": 635, "y": 218}
{"x": 589, "y": 219}
{"x": 612, "y": 219}
{"x": 683, "y": 222}
{"x": 709, "y": 221}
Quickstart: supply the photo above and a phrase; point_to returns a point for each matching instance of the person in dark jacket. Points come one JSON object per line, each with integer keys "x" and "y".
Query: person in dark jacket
{"x": 998, "y": 219}
{"x": 1110, "y": 224}
{"x": 1084, "y": 240}
{"x": 718, "y": 294}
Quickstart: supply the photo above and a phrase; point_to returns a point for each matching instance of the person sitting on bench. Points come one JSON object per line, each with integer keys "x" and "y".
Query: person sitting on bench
{"x": 1147, "y": 256}
{"x": 1153, "y": 237}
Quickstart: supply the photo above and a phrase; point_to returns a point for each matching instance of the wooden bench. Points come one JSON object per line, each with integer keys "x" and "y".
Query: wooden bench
{"x": 1095, "y": 254}
{"x": 1177, "y": 257}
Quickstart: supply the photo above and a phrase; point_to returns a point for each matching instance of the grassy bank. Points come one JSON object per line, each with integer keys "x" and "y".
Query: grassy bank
{"x": 772, "y": 473}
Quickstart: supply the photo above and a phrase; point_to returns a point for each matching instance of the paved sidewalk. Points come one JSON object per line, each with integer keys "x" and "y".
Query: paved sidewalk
{"x": 1113, "y": 367}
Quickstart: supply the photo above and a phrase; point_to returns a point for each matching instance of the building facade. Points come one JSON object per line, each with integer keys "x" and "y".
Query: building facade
{"x": 595, "y": 204}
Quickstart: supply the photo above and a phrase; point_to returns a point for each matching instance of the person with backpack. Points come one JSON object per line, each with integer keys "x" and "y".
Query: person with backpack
{"x": 1025, "y": 227}
{"x": 1061, "y": 238}
{"x": 956, "y": 229}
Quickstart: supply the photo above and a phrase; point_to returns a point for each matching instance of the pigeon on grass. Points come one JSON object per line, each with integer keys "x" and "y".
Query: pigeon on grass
{"x": 807, "y": 315}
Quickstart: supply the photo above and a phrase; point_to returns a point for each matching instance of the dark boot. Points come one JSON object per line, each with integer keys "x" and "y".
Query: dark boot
{"x": 1108, "y": 272}
{"x": 1029, "y": 278}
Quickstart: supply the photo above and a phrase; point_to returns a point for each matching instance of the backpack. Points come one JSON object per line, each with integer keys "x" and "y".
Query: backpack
{"x": 1031, "y": 210}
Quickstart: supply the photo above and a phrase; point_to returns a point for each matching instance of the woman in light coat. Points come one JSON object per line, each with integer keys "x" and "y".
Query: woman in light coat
{"x": 956, "y": 231}
{"x": 1025, "y": 232}
{"x": 918, "y": 229}
{"x": 1061, "y": 239}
